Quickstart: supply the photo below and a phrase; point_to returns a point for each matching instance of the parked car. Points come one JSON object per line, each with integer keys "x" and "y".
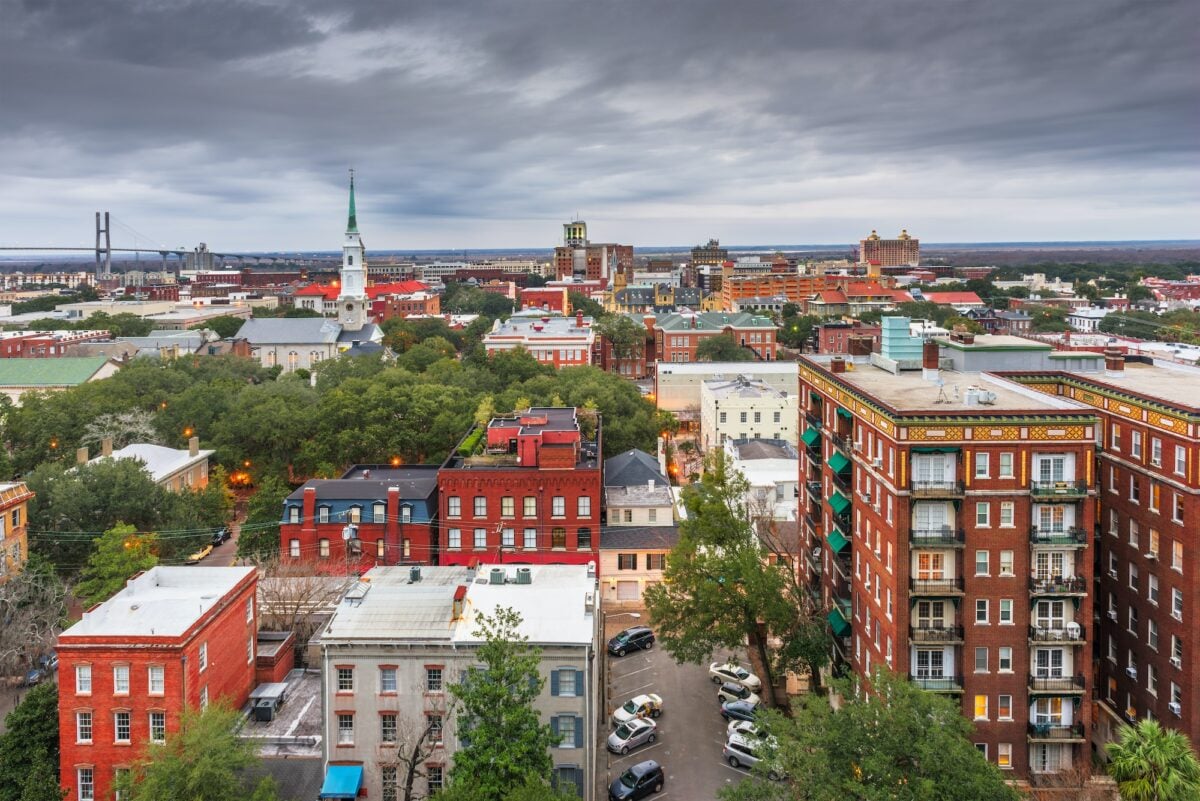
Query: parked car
{"x": 33, "y": 676}
{"x": 738, "y": 710}
{"x": 728, "y": 671}
{"x": 735, "y": 692}
{"x": 637, "y": 638}
{"x": 746, "y": 752}
{"x": 219, "y": 536}
{"x": 638, "y": 781}
{"x": 48, "y": 662}
{"x": 631, "y": 734}
{"x": 647, "y": 705}
{"x": 745, "y": 728}
{"x": 200, "y": 554}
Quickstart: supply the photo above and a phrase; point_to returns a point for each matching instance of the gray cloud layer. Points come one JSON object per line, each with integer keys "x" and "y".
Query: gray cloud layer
{"x": 479, "y": 124}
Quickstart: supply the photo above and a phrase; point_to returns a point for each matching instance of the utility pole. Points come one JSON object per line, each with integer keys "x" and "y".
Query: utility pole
{"x": 103, "y": 245}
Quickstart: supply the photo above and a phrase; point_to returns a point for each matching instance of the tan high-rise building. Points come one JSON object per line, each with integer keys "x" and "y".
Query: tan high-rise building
{"x": 579, "y": 258}
{"x": 876, "y": 252}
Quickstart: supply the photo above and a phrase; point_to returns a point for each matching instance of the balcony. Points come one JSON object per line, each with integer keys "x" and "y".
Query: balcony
{"x": 1056, "y": 733}
{"x": 939, "y": 587}
{"x": 813, "y": 419}
{"x": 841, "y": 441}
{"x": 938, "y": 684}
{"x": 813, "y": 560}
{"x": 1058, "y": 490}
{"x": 842, "y": 482}
{"x": 1058, "y": 585}
{"x": 937, "y": 537}
{"x": 841, "y": 566}
{"x": 1068, "y": 634}
{"x": 936, "y": 488}
{"x": 1058, "y": 538}
{"x": 936, "y": 635}
{"x": 1056, "y": 685}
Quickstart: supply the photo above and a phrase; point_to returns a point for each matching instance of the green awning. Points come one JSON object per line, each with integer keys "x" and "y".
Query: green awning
{"x": 811, "y": 436}
{"x": 839, "y": 462}
{"x": 838, "y": 623}
{"x": 936, "y": 449}
{"x": 815, "y": 397}
{"x": 836, "y": 540}
{"x": 845, "y": 413}
{"x": 839, "y": 503}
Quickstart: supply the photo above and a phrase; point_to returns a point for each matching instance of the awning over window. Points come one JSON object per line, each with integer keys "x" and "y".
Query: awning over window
{"x": 342, "y": 781}
{"x": 811, "y": 436}
{"x": 838, "y": 623}
{"x": 839, "y": 503}
{"x": 838, "y": 462}
{"x": 836, "y": 540}
{"x": 936, "y": 449}
{"x": 845, "y": 413}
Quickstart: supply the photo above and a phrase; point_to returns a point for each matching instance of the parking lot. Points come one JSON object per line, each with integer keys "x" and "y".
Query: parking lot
{"x": 691, "y": 730}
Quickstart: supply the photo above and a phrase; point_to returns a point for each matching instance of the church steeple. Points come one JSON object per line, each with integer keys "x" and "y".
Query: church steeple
{"x": 352, "y": 222}
{"x": 352, "y": 300}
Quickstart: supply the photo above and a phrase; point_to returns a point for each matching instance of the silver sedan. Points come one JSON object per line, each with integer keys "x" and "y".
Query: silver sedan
{"x": 631, "y": 734}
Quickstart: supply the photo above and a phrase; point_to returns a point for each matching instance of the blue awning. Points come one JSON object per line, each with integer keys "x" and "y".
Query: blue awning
{"x": 342, "y": 781}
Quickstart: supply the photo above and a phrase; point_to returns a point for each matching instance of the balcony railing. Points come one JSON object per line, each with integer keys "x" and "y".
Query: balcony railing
{"x": 936, "y": 634}
{"x": 814, "y": 562}
{"x": 1065, "y": 538}
{"x": 841, "y": 441}
{"x": 936, "y": 537}
{"x": 1056, "y": 732}
{"x": 1071, "y": 685}
{"x": 813, "y": 419}
{"x": 936, "y": 488}
{"x": 842, "y": 482}
{"x": 1059, "y": 585}
{"x": 1064, "y": 635}
{"x": 947, "y": 586}
{"x": 938, "y": 684}
{"x": 1058, "y": 489}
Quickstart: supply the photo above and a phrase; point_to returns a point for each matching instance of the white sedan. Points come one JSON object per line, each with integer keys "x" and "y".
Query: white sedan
{"x": 727, "y": 671}
{"x": 640, "y": 706}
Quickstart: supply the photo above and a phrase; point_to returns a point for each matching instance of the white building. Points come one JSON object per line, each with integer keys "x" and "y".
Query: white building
{"x": 402, "y": 635}
{"x": 772, "y": 468}
{"x": 640, "y": 528}
{"x": 171, "y": 468}
{"x": 745, "y": 408}
{"x": 558, "y": 341}
{"x": 677, "y": 385}
{"x": 1087, "y": 319}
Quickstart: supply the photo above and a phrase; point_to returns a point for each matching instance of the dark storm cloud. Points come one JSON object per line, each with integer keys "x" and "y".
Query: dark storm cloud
{"x": 673, "y": 111}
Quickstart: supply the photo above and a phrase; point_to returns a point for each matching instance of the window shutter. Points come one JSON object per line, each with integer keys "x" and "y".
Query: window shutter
{"x": 577, "y": 774}
{"x": 554, "y": 725}
{"x": 578, "y": 732}
{"x": 579, "y": 691}
{"x": 554, "y": 682}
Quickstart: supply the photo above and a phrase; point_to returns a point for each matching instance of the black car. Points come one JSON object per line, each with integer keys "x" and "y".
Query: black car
{"x": 219, "y": 536}
{"x": 638, "y": 781}
{"x": 638, "y": 638}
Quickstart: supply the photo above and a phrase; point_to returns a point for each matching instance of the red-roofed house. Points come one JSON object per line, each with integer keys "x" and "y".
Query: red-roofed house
{"x": 395, "y": 299}
{"x": 959, "y": 300}
{"x": 855, "y": 298}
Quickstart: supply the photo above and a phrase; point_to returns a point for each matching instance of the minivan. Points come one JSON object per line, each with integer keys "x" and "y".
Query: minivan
{"x": 638, "y": 638}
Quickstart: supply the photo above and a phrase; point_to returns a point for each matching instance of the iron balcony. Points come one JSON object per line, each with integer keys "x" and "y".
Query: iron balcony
{"x": 1056, "y": 685}
{"x": 1058, "y": 585}
{"x": 937, "y": 537}
{"x": 1058, "y": 489}
{"x": 1056, "y": 732}
{"x": 943, "y": 635}
{"x": 1074, "y": 537}
{"x": 937, "y": 488}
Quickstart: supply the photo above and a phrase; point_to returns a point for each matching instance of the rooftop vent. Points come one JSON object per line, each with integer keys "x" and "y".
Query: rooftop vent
{"x": 497, "y": 576}
{"x": 414, "y": 574}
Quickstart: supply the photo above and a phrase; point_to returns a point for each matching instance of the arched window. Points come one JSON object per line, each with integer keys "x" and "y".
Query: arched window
{"x": 293, "y": 360}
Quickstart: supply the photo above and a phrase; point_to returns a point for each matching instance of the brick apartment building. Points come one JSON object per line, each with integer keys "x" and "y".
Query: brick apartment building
{"x": 372, "y": 515}
{"x": 173, "y": 638}
{"x": 678, "y": 335}
{"x": 45, "y": 344}
{"x": 637, "y": 362}
{"x": 834, "y": 338}
{"x": 948, "y": 529}
{"x": 736, "y": 289}
{"x": 558, "y": 341}
{"x": 523, "y": 489}
{"x": 1148, "y": 574}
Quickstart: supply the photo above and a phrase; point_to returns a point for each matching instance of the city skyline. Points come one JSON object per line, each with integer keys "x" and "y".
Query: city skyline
{"x": 234, "y": 123}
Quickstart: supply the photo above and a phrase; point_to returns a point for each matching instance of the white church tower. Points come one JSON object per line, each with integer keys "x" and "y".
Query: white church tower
{"x": 352, "y": 302}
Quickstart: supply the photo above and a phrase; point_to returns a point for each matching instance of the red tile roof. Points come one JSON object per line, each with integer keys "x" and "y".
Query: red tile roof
{"x": 331, "y": 292}
{"x": 953, "y": 298}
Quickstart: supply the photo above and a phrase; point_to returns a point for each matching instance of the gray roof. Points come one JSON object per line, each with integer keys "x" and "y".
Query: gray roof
{"x": 368, "y": 333}
{"x": 353, "y": 489}
{"x": 639, "y": 495}
{"x": 748, "y": 449}
{"x": 297, "y": 779}
{"x": 627, "y": 538}
{"x": 632, "y": 468}
{"x": 291, "y": 331}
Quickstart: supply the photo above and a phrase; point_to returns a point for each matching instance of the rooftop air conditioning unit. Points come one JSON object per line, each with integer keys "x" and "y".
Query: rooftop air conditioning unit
{"x": 1131, "y": 672}
{"x": 1176, "y": 662}
{"x": 1152, "y": 556}
{"x": 1176, "y": 707}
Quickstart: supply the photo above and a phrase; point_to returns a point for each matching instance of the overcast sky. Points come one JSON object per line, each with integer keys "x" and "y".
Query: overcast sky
{"x": 489, "y": 124}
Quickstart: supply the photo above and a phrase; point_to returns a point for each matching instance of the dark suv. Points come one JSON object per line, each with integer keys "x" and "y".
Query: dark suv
{"x": 638, "y": 781}
{"x": 638, "y": 638}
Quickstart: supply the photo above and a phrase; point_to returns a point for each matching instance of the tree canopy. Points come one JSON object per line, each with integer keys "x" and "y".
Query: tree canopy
{"x": 1151, "y": 763}
{"x": 119, "y": 553}
{"x": 722, "y": 348}
{"x": 29, "y": 746}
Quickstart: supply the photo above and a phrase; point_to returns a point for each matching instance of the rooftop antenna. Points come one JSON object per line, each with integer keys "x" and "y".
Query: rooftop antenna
{"x": 941, "y": 398}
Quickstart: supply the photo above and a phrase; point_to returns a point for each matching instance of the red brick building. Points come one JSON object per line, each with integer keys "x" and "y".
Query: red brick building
{"x": 524, "y": 489}
{"x": 45, "y": 344}
{"x": 558, "y": 341}
{"x": 372, "y": 515}
{"x": 834, "y": 338}
{"x": 579, "y": 258}
{"x": 638, "y": 362}
{"x": 173, "y": 638}
{"x": 678, "y": 335}
{"x": 385, "y": 307}
{"x": 547, "y": 298}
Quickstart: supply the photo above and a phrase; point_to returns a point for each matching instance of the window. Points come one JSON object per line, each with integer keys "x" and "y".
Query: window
{"x": 558, "y": 537}
{"x": 323, "y": 548}
{"x": 981, "y": 465}
{"x": 1004, "y": 755}
{"x": 322, "y": 514}
{"x": 379, "y": 512}
{"x": 562, "y": 683}
{"x": 433, "y": 777}
{"x": 86, "y": 783}
{"x": 1004, "y": 708}
{"x": 155, "y": 680}
{"x": 583, "y": 539}
{"x": 508, "y": 506}
{"x": 1156, "y": 451}
{"x": 627, "y": 561}
{"x": 508, "y": 538}
{"x": 388, "y": 775}
{"x": 566, "y": 726}
{"x": 983, "y": 514}
{"x": 1152, "y": 589}
{"x": 1176, "y": 603}
{"x": 1007, "y": 514}
{"x": 1006, "y": 563}
{"x": 83, "y": 727}
{"x": 1006, "y": 611}
{"x": 742, "y": 417}
{"x": 1152, "y": 634}
{"x": 1152, "y": 679}
{"x": 981, "y": 611}
{"x": 1177, "y": 556}
{"x": 529, "y": 508}
{"x": 981, "y": 707}
{"x": 480, "y": 506}
{"x": 1006, "y": 465}
{"x": 982, "y": 563}
{"x": 531, "y": 539}
{"x": 777, "y": 417}
{"x": 722, "y": 417}
{"x": 158, "y": 727}
{"x": 387, "y": 680}
{"x": 345, "y": 729}
{"x": 249, "y": 610}
{"x": 1005, "y": 660}
{"x": 435, "y": 727}
{"x": 628, "y": 515}
{"x": 480, "y": 539}
{"x": 1154, "y": 541}
{"x": 345, "y": 680}
{"x": 558, "y": 506}
{"x": 250, "y": 648}
{"x": 294, "y": 549}
{"x": 83, "y": 679}
{"x": 454, "y": 539}
{"x": 204, "y": 697}
{"x": 1176, "y": 507}
{"x": 293, "y": 514}
{"x": 583, "y": 506}
{"x": 1135, "y": 444}
{"x": 1133, "y": 576}
{"x": 454, "y": 506}
{"x": 1135, "y": 494}
{"x": 120, "y": 727}
{"x": 981, "y": 660}
{"x": 656, "y": 561}
{"x": 380, "y": 548}
{"x": 203, "y": 657}
{"x": 1180, "y": 460}
{"x": 433, "y": 679}
{"x": 387, "y": 727}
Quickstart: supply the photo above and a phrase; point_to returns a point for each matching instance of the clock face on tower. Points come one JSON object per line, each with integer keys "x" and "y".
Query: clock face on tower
{"x": 349, "y": 307}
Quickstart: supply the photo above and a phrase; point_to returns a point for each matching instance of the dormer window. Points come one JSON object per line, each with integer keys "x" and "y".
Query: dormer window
{"x": 355, "y": 514}
{"x": 322, "y": 514}
{"x": 406, "y": 514}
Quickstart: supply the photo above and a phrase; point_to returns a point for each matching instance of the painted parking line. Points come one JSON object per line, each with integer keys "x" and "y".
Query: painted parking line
{"x": 639, "y": 687}
{"x": 615, "y": 758}
{"x": 739, "y": 771}
{"x": 633, "y": 672}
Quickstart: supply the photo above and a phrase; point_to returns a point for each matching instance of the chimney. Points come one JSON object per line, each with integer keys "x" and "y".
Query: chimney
{"x": 579, "y": 319}
{"x": 1114, "y": 362}
{"x": 81, "y": 456}
{"x": 837, "y": 364}
{"x": 194, "y": 446}
{"x": 106, "y": 446}
{"x": 929, "y": 361}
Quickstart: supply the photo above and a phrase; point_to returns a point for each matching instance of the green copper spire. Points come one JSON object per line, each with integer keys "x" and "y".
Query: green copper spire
{"x": 352, "y": 223}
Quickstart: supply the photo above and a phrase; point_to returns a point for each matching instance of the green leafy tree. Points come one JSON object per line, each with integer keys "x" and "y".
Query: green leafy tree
{"x": 796, "y": 331}
{"x": 890, "y": 742}
{"x": 202, "y": 761}
{"x": 722, "y": 348}
{"x": 533, "y": 791}
{"x": 958, "y": 321}
{"x": 29, "y": 742}
{"x": 259, "y": 537}
{"x": 582, "y": 303}
{"x": 506, "y": 742}
{"x": 120, "y": 552}
{"x": 1150, "y": 763}
{"x": 627, "y": 337}
{"x": 41, "y": 783}
{"x": 225, "y": 327}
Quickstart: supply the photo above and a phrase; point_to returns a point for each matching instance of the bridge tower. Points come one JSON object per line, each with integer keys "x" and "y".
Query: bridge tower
{"x": 103, "y": 245}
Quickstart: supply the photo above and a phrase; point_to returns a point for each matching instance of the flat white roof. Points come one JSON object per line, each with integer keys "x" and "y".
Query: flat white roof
{"x": 165, "y": 601}
{"x": 730, "y": 369}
